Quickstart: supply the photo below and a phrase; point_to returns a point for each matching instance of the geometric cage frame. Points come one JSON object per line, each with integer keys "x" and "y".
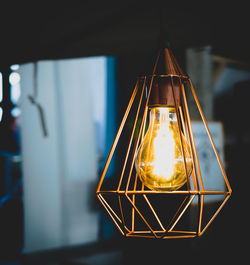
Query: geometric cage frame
{"x": 135, "y": 209}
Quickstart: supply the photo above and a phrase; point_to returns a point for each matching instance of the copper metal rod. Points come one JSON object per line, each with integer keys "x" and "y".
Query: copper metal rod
{"x": 133, "y": 215}
{"x": 142, "y": 136}
{"x": 176, "y": 213}
{"x": 185, "y": 135}
{"x": 146, "y": 105}
{"x": 136, "y": 143}
{"x": 156, "y": 63}
{"x": 193, "y": 147}
{"x": 120, "y": 205}
{"x": 192, "y": 142}
{"x": 153, "y": 211}
{"x": 172, "y": 237}
{"x": 189, "y": 235}
{"x": 133, "y": 198}
{"x": 168, "y": 61}
{"x": 117, "y": 137}
{"x": 191, "y": 192}
{"x": 166, "y": 237}
{"x": 183, "y": 123}
{"x": 183, "y": 232}
{"x": 135, "y": 183}
{"x": 216, "y": 213}
{"x": 136, "y": 176}
{"x": 133, "y": 210}
{"x": 134, "y": 151}
{"x": 159, "y": 231}
{"x": 184, "y": 77}
{"x": 110, "y": 215}
{"x": 186, "y": 115}
{"x": 183, "y": 211}
{"x": 201, "y": 205}
{"x": 179, "y": 129}
{"x": 150, "y": 131}
{"x": 143, "y": 119}
{"x": 210, "y": 136}
{"x": 142, "y": 217}
{"x": 131, "y": 137}
{"x": 141, "y": 236}
{"x": 111, "y": 210}
{"x": 145, "y": 232}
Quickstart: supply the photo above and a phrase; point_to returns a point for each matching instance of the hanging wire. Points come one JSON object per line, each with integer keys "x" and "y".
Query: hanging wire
{"x": 33, "y": 100}
{"x": 164, "y": 36}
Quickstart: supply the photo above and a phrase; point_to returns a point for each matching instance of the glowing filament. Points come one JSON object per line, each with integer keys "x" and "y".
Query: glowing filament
{"x": 160, "y": 158}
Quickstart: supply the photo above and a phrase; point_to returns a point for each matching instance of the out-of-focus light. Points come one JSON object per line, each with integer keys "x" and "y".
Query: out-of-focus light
{"x": 15, "y": 92}
{"x": 16, "y": 112}
{"x": 1, "y": 114}
{"x": 14, "y": 67}
{"x": 14, "y": 78}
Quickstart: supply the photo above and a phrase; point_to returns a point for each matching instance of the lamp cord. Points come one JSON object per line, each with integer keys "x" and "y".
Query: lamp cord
{"x": 164, "y": 36}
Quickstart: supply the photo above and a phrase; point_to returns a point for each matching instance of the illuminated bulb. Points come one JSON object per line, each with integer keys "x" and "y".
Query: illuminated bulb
{"x": 159, "y": 160}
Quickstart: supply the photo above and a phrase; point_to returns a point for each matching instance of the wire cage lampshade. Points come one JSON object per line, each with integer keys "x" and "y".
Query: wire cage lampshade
{"x": 160, "y": 189}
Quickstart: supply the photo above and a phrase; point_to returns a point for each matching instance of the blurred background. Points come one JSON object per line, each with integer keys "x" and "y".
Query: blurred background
{"x": 67, "y": 73}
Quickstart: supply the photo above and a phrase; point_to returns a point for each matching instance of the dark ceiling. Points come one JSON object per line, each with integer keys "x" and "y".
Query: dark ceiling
{"x": 45, "y": 30}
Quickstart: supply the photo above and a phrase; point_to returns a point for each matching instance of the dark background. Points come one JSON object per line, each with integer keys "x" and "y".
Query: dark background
{"x": 57, "y": 29}
{"x": 130, "y": 30}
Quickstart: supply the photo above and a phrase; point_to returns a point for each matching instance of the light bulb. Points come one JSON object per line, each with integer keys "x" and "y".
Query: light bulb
{"x": 159, "y": 160}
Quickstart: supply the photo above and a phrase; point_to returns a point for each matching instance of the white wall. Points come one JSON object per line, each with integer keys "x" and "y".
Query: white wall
{"x": 59, "y": 170}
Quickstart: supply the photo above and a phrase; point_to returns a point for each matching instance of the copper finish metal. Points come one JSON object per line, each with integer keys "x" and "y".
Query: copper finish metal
{"x": 132, "y": 206}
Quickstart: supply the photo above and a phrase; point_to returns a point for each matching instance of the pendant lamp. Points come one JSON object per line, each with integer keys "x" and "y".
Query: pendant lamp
{"x": 159, "y": 189}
